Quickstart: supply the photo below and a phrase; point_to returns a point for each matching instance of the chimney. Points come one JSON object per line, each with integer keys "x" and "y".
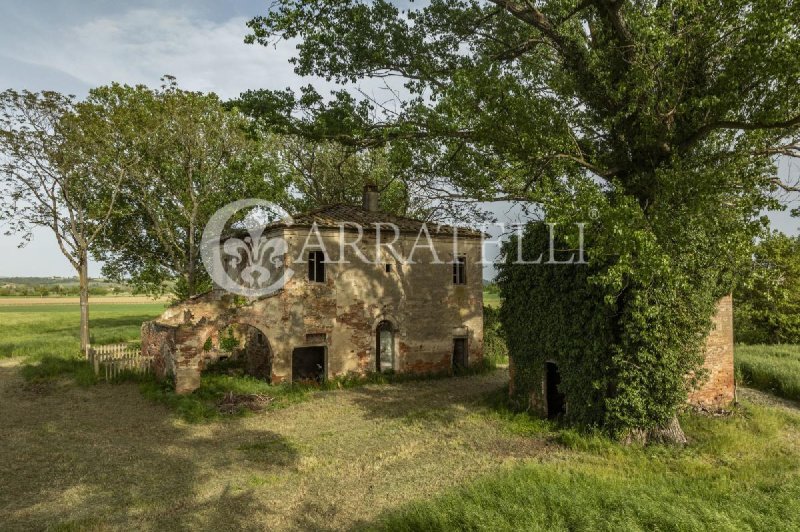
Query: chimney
{"x": 370, "y": 201}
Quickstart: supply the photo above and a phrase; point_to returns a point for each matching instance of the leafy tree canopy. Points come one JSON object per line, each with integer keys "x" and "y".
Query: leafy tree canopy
{"x": 658, "y": 123}
{"x": 193, "y": 157}
{"x": 767, "y": 309}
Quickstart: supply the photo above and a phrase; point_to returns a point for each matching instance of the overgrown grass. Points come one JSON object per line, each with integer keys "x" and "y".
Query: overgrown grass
{"x": 226, "y": 377}
{"x": 770, "y": 368}
{"x": 52, "y": 331}
{"x": 739, "y": 473}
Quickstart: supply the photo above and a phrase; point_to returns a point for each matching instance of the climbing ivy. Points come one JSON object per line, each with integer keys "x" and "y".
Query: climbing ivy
{"x": 624, "y": 355}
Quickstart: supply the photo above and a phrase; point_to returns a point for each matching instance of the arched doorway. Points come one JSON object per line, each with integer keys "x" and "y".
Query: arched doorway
{"x": 384, "y": 347}
{"x": 256, "y": 352}
{"x": 556, "y": 404}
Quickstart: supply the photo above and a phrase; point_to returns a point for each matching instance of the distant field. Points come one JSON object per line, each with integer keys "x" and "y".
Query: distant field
{"x": 770, "y": 368}
{"x": 51, "y": 329}
{"x": 71, "y": 300}
{"x": 491, "y": 300}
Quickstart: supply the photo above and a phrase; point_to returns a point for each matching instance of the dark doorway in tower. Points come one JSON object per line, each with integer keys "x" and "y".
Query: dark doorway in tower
{"x": 257, "y": 353}
{"x": 460, "y": 354}
{"x": 308, "y": 364}
{"x": 384, "y": 347}
{"x": 556, "y": 404}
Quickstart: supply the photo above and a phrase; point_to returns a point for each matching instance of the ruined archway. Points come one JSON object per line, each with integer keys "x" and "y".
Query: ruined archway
{"x": 256, "y": 352}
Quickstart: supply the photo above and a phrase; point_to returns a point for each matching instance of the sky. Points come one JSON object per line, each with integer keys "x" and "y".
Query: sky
{"x": 70, "y": 47}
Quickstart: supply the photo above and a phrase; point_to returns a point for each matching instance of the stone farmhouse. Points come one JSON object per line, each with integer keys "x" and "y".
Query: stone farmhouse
{"x": 338, "y": 314}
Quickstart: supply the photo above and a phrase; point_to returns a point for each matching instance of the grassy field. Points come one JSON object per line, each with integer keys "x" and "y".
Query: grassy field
{"x": 491, "y": 300}
{"x": 42, "y": 330}
{"x": 430, "y": 455}
{"x": 771, "y": 368}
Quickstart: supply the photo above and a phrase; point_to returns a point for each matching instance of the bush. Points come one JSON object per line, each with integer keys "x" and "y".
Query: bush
{"x": 495, "y": 349}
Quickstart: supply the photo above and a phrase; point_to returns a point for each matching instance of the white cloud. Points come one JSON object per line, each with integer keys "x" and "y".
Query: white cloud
{"x": 141, "y": 45}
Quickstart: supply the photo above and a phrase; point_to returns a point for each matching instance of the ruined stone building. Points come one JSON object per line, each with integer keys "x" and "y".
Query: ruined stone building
{"x": 337, "y": 313}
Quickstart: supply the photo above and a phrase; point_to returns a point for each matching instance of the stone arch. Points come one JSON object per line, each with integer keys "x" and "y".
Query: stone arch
{"x": 384, "y": 316}
{"x": 256, "y": 348}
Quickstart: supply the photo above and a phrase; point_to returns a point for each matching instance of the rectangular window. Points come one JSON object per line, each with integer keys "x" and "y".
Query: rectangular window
{"x": 388, "y": 268}
{"x": 316, "y": 266}
{"x": 460, "y": 270}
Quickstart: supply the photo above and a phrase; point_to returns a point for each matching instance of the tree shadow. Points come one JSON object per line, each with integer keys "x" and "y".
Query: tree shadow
{"x": 440, "y": 401}
{"x": 106, "y": 457}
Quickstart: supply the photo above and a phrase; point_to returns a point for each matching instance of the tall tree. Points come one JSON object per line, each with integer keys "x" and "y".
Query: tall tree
{"x": 195, "y": 156}
{"x": 330, "y": 150}
{"x": 52, "y": 175}
{"x": 656, "y": 121}
{"x": 767, "y": 309}
{"x": 326, "y": 172}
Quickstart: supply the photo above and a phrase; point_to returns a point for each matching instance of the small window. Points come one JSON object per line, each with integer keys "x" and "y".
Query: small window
{"x": 316, "y": 266}
{"x": 388, "y": 268}
{"x": 460, "y": 270}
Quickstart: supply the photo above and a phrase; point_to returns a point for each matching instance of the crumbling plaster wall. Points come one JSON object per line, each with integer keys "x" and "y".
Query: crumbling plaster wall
{"x": 426, "y": 309}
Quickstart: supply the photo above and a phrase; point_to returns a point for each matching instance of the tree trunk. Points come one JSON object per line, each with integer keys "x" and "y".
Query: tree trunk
{"x": 83, "y": 275}
{"x": 671, "y": 433}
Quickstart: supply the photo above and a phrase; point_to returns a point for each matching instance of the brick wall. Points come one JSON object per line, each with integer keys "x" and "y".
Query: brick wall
{"x": 718, "y": 389}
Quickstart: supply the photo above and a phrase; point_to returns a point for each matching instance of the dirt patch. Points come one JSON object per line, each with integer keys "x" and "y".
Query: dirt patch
{"x": 233, "y": 403}
{"x": 763, "y": 398}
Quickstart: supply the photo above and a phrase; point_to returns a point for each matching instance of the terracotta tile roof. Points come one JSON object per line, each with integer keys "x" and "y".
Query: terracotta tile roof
{"x": 334, "y": 215}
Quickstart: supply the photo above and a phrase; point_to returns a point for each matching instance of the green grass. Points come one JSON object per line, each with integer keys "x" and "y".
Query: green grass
{"x": 438, "y": 455}
{"x": 228, "y": 377}
{"x": 770, "y": 368}
{"x": 42, "y": 331}
{"x": 492, "y": 299}
{"x": 47, "y": 335}
{"x": 739, "y": 473}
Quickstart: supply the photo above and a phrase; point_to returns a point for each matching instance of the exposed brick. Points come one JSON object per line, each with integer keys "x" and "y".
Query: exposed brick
{"x": 426, "y": 311}
{"x": 718, "y": 390}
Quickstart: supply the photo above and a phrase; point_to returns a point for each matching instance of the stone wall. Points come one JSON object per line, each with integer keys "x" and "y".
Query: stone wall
{"x": 425, "y": 309}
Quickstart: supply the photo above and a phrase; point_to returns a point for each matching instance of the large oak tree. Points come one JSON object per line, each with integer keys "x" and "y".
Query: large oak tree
{"x": 657, "y": 121}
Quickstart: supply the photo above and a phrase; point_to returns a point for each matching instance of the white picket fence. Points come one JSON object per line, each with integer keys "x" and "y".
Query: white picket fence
{"x": 111, "y": 360}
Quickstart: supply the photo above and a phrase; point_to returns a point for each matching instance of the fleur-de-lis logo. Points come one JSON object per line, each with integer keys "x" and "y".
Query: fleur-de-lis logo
{"x": 256, "y": 259}
{"x": 252, "y": 266}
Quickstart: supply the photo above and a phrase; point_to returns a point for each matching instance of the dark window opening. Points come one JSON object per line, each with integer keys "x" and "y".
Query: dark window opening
{"x": 460, "y": 353}
{"x": 460, "y": 270}
{"x": 316, "y": 266}
{"x": 308, "y": 364}
{"x": 388, "y": 268}
{"x": 556, "y": 404}
{"x": 384, "y": 347}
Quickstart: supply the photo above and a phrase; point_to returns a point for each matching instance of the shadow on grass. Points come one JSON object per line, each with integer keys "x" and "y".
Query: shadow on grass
{"x": 50, "y": 368}
{"x": 226, "y": 378}
{"x": 120, "y": 462}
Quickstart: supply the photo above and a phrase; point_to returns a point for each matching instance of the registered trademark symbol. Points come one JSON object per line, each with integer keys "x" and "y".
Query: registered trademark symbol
{"x": 593, "y": 213}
